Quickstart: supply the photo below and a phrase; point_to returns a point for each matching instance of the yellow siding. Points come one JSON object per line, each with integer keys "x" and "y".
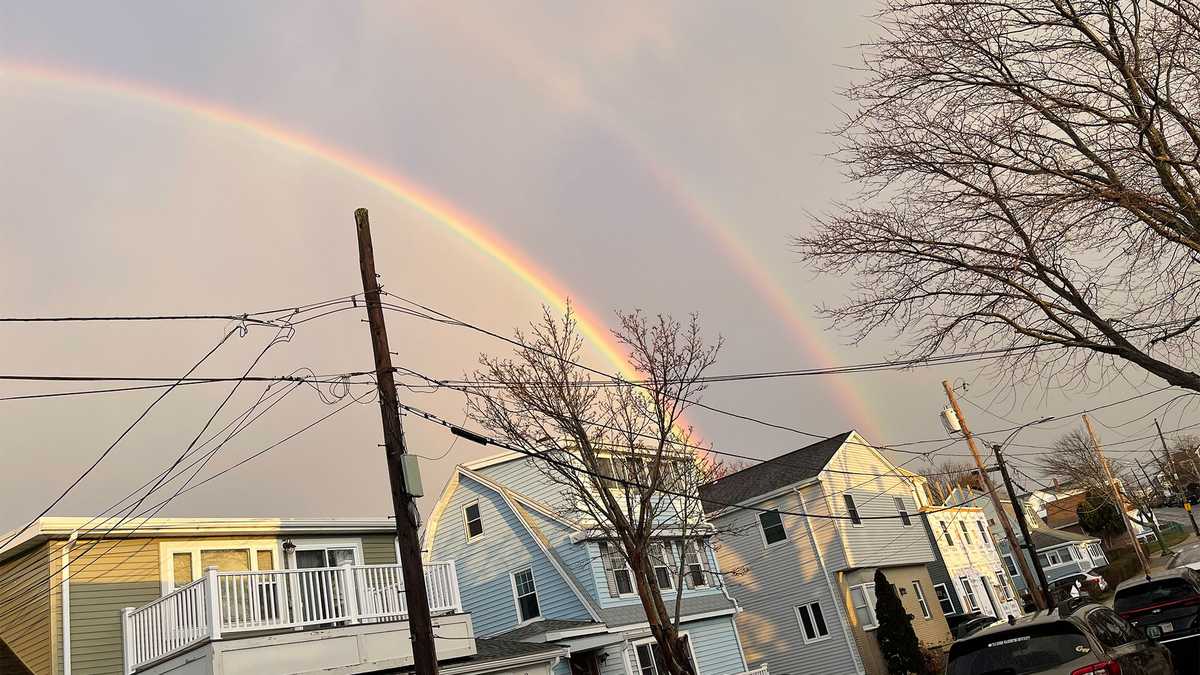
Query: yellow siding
{"x": 931, "y": 632}
{"x": 104, "y": 579}
{"x": 25, "y": 583}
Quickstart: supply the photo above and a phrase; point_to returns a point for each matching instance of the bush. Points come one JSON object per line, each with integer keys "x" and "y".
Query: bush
{"x": 933, "y": 661}
{"x": 1121, "y": 566}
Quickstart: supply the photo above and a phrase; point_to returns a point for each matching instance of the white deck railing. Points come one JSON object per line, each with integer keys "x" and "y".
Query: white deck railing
{"x": 224, "y": 603}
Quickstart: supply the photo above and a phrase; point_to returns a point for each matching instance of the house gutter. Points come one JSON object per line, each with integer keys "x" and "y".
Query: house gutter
{"x": 837, "y": 598}
{"x": 65, "y": 585}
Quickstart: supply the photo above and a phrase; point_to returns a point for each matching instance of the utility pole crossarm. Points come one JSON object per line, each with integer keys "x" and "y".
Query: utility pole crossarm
{"x": 420, "y": 624}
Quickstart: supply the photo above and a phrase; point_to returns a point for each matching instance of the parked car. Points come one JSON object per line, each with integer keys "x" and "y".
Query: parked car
{"x": 1091, "y": 582}
{"x": 1170, "y": 601}
{"x": 1078, "y": 638}
{"x": 973, "y": 624}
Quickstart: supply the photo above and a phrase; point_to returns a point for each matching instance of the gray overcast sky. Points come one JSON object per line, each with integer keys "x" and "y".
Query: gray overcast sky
{"x": 640, "y": 156}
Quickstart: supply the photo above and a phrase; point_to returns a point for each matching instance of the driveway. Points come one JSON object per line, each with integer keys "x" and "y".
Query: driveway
{"x": 1189, "y": 554}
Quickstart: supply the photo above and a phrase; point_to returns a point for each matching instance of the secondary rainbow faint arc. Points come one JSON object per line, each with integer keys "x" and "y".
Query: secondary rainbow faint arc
{"x": 470, "y": 229}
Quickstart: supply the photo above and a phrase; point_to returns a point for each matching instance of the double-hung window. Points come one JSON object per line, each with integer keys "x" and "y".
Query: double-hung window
{"x": 921, "y": 599}
{"x": 983, "y": 533}
{"x": 664, "y": 566}
{"x": 473, "y": 520}
{"x": 649, "y": 656}
{"x": 969, "y": 594}
{"x": 525, "y": 595}
{"x": 863, "y": 599}
{"x": 903, "y": 511}
{"x": 852, "y": 509}
{"x": 616, "y": 570}
{"x": 946, "y": 533}
{"x": 693, "y": 563}
{"x": 966, "y": 534}
{"x": 1001, "y": 581}
{"x": 812, "y": 622}
{"x": 1011, "y": 565}
{"x": 943, "y": 596}
{"x": 772, "y": 526}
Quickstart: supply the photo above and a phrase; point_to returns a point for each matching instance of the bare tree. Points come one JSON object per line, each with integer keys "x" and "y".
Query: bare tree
{"x": 1031, "y": 182}
{"x": 942, "y": 479}
{"x": 621, "y": 452}
{"x": 1074, "y": 461}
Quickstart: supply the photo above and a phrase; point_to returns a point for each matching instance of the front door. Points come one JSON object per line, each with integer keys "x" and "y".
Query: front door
{"x": 987, "y": 588}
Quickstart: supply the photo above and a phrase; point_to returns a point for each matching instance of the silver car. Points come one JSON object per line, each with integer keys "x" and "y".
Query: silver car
{"x": 1078, "y": 638}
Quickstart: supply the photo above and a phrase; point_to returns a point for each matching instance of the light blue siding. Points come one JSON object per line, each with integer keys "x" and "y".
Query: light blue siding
{"x": 612, "y": 660}
{"x": 1052, "y": 573}
{"x": 486, "y": 563}
{"x": 576, "y": 557}
{"x": 599, "y": 581}
{"x": 715, "y": 645}
{"x": 522, "y": 476}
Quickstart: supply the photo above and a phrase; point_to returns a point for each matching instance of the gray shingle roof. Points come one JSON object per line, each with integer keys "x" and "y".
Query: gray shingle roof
{"x": 773, "y": 474}
{"x": 1048, "y": 537}
{"x": 542, "y": 627}
{"x": 487, "y": 649}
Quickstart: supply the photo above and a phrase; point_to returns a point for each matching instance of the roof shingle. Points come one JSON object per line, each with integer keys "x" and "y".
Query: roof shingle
{"x": 770, "y": 475}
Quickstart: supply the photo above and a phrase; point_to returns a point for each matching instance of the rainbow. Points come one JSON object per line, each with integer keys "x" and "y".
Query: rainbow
{"x": 423, "y": 200}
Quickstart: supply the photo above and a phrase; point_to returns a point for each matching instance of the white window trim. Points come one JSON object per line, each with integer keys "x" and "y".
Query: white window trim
{"x": 966, "y": 533}
{"x": 1009, "y": 557}
{"x": 969, "y": 598}
{"x": 949, "y": 598}
{"x": 762, "y": 532}
{"x": 512, "y": 580}
{"x": 901, "y": 508}
{"x": 985, "y": 535}
{"x": 800, "y": 622}
{"x": 921, "y": 601}
{"x": 1002, "y": 580}
{"x": 869, "y": 595}
{"x": 636, "y": 664}
{"x": 701, "y": 559}
{"x": 857, "y": 510}
{"x": 666, "y": 564}
{"x": 322, "y": 543}
{"x": 1058, "y": 553}
{"x": 947, "y": 536}
{"x": 466, "y": 521}
{"x": 167, "y": 550}
{"x": 604, "y": 570}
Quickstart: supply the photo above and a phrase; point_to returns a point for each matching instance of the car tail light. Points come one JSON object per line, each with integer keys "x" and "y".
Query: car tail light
{"x": 1102, "y": 668}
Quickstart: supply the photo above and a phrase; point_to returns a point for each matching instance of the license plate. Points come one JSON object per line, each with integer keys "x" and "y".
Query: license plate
{"x": 1166, "y": 627}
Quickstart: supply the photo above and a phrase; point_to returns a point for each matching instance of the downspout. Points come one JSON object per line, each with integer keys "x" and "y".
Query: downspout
{"x": 837, "y": 598}
{"x": 65, "y": 585}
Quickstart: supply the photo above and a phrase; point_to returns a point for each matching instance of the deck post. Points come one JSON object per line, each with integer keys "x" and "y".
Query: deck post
{"x": 212, "y": 602}
{"x": 350, "y": 586}
{"x": 127, "y": 638}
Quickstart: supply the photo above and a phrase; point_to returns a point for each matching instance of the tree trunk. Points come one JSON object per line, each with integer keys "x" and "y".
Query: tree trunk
{"x": 674, "y": 652}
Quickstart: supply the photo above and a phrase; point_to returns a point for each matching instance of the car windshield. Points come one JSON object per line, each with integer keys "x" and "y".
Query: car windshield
{"x": 1021, "y": 651}
{"x": 1152, "y": 593}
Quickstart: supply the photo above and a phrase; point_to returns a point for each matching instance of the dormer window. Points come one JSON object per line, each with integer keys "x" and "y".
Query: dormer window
{"x": 616, "y": 571}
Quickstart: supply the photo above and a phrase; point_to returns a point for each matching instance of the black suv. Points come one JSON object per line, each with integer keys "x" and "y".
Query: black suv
{"x": 1078, "y": 638}
{"x": 1170, "y": 601}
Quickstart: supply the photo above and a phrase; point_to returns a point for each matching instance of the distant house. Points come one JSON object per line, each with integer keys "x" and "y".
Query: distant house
{"x": 530, "y": 571}
{"x": 228, "y": 596}
{"x": 970, "y": 576}
{"x": 811, "y": 527}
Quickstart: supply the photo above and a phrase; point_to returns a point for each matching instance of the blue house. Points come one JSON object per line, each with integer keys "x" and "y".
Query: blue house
{"x": 528, "y": 572}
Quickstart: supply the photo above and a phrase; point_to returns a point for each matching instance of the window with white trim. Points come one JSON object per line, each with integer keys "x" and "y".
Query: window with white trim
{"x": 921, "y": 599}
{"x": 902, "y": 509}
{"x": 1097, "y": 554}
{"x": 852, "y": 509}
{"x": 1053, "y": 558}
{"x": 1010, "y": 564}
{"x": 812, "y": 622}
{"x": 649, "y": 656}
{"x": 616, "y": 571}
{"x": 1002, "y": 582}
{"x": 966, "y": 534}
{"x": 472, "y": 520}
{"x": 984, "y": 535}
{"x": 693, "y": 565}
{"x": 862, "y": 597}
{"x": 968, "y": 594}
{"x": 664, "y": 567}
{"x": 772, "y": 527}
{"x": 525, "y": 595}
{"x": 185, "y": 561}
{"x": 943, "y": 596}
{"x": 946, "y": 533}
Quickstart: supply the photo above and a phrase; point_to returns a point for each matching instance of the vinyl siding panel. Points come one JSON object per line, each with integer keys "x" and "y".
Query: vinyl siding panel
{"x": 521, "y": 475}
{"x": 778, "y": 578}
{"x": 874, "y": 542}
{"x": 714, "y": 642}
{"x": 575, "y": 557}
{"x": 612, "y": 660}
{"x": 379, "y": 549}
{"x": 930, "y": 632}
{"x": 486, "y": 563}
{"x": 104, "y": 579}
{"x": 25, "y": 626}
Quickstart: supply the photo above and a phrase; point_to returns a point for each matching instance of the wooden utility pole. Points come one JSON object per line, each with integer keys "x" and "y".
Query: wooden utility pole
{"x": 1137, "y": 548}
{"x": 1030, "y": 581}
{"x": 1020, "y": 513}
{"x": 407, "y": 518}
{"x": 1169, "y": 468}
